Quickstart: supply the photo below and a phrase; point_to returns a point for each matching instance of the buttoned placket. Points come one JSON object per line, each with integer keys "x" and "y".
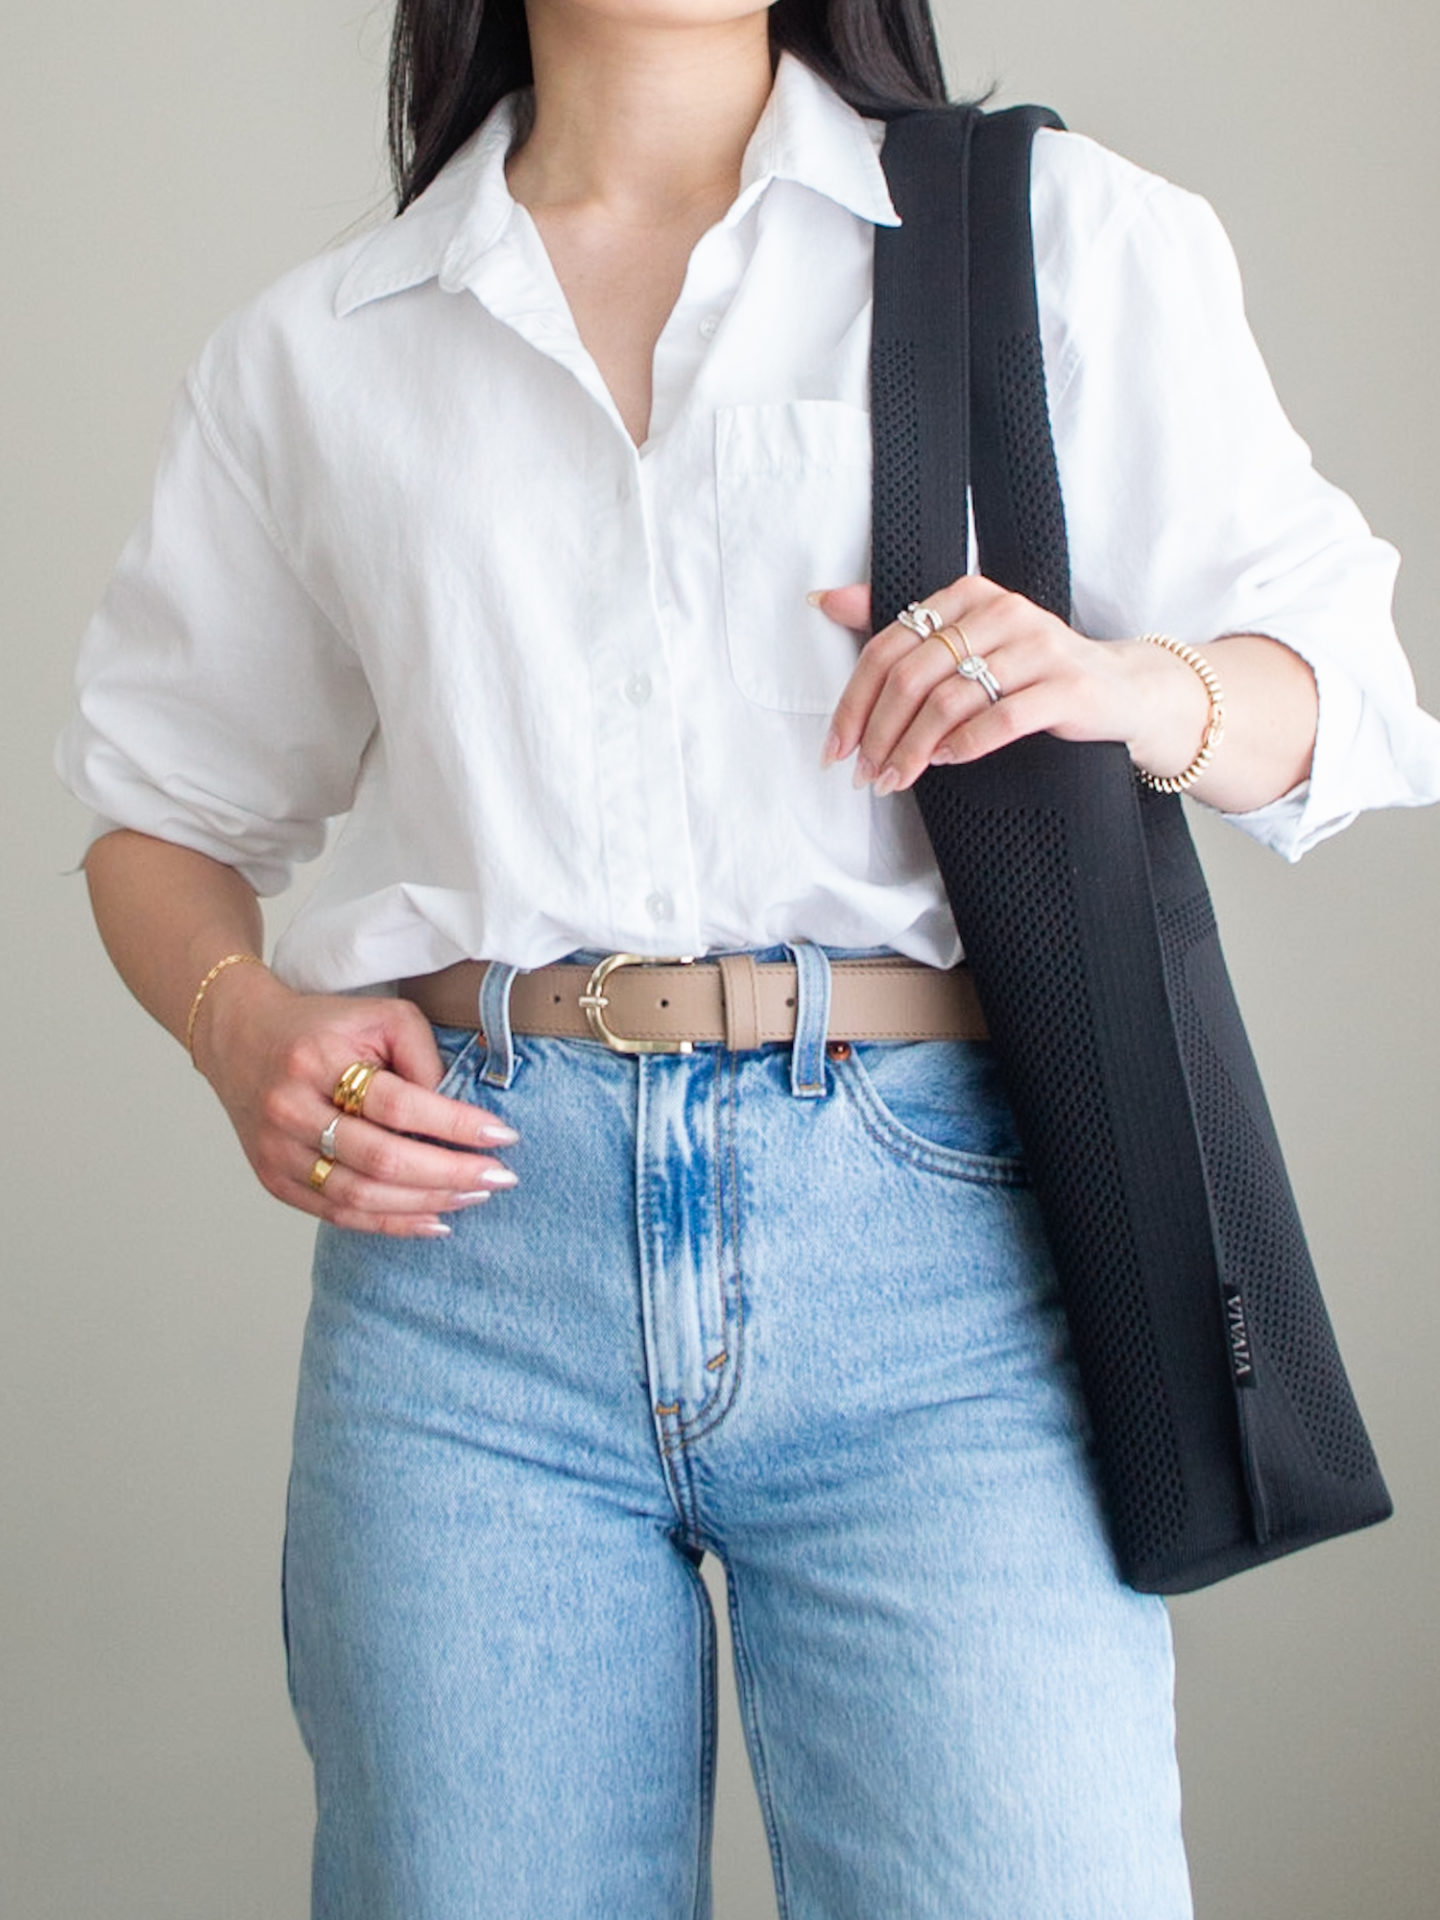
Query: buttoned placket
{"x": 642, "y": 803}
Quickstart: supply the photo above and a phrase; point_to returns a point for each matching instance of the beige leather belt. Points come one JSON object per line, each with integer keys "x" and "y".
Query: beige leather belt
{"x": 638, "y": 1005}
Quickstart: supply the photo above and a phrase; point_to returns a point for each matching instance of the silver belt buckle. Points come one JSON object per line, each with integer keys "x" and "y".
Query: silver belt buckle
{"x": 594, "y": 1001}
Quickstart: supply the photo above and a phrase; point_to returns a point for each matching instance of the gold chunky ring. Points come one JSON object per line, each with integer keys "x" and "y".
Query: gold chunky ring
{"x": 353, "y": 1085}
{"x": 320, "y": 1173}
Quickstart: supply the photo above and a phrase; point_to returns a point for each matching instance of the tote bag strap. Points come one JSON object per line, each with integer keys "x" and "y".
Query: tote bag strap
{"x": 961, "y": 181}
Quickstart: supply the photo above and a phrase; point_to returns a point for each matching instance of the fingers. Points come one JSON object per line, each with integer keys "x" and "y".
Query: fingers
{"x": 958, "y": 721}
{"x": 922, "y": 700}
{"x": 397, "y": 1226}
{"x": 397, "y": 1163}
{"x": 407, "y": 1157}
{"x": 908, "y": 705}
{"x": 383, "y": 1179}
{"x": 350, "y": 1198}
{"x": 846, "y": 606}
{"x": 380, "y": 1182}
{"x": 1034, "y": 709}
{"x": 895, "y": 649}
{"x": 404, "y": 1107}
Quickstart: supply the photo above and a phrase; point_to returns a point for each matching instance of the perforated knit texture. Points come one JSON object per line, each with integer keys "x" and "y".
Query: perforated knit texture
{"x": 1030, "y": 465}
{"x": 1018, "y": 885}
{"x": 1261, "y": 1238}
{"x": 895, "y": 401}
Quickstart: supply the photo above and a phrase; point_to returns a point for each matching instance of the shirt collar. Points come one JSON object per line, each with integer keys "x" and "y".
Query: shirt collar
{"x": 806, "y": 134}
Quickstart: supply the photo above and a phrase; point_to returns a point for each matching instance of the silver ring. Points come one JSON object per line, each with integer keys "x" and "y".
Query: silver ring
{"x": 920, "y": 619}
{"x": 327, "y": 1138}
{"x": 972, "y": 667}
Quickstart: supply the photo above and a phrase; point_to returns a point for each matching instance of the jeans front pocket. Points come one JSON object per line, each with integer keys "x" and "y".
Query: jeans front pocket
{"x": 938, "y": 1105}
{"x": 459, "y": 1048}
{"x": 793, "y": 495}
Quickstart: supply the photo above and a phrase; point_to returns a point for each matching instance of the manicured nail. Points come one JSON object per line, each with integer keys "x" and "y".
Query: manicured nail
{"x": 865, "y": 771}
{"x": 500, "y": 1177}
{"x": 888, "y": 781}
{"x": 816, "y": 596}
{"x": 943, "y": 757}
{"x": 473, "y": 1199}
{"x": 434, "y": 1230}
{"x": 495, "y": 1133}
{"x": 830, "y": 752}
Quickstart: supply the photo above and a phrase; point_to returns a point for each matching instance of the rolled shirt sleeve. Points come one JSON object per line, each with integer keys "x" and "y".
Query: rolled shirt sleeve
{"x": 219, "y": 706}
{"x": 1192, "y": 503}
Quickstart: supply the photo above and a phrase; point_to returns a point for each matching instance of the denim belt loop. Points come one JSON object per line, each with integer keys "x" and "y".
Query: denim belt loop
{"x": 812, "y": 1019}
{"x": 499, "y": 1067}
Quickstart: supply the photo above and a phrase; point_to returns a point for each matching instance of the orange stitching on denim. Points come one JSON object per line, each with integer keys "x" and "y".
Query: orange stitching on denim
{"x": 718, "y": 1361}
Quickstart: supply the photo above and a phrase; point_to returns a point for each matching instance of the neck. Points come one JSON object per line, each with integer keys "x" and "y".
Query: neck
{"x": 643, "y": 117}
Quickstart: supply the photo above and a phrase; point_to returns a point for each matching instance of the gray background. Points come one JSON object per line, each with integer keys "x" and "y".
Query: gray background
{"x": 165, "y": 161}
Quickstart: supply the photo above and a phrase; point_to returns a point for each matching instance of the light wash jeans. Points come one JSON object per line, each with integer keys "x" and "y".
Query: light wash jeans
{"x": 784, "y": 1307}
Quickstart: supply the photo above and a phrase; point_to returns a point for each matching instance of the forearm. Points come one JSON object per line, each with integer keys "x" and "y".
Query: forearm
{"x": 1271, "y": 710}
{"x": 166, "y": 915}
{"x": 273, "y": 1056}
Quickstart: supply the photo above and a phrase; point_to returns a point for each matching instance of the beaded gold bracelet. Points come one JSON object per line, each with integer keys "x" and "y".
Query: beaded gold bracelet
{"x": 1214, "y": 726}
{"x": 230, "y": 960}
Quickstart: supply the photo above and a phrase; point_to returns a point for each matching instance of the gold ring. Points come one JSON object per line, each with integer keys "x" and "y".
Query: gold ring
{"x": 943, "y": 635}
{"x": 320, "y": 1173}
{"x": 967, "y": 651}
{"x": 353, "y": 1085}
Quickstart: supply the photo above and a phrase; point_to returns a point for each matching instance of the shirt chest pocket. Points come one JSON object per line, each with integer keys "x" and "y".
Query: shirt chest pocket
{"x": 793, "y": 500}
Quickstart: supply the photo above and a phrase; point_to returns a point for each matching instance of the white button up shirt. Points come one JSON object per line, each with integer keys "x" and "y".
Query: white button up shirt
{"x": 404, "y": 564}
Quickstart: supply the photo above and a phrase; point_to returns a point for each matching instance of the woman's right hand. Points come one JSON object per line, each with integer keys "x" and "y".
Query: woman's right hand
{"x": 273, "y": 1056}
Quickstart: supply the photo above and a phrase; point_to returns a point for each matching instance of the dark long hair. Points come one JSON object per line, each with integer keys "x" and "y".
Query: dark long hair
{"x": 452, "y": 60}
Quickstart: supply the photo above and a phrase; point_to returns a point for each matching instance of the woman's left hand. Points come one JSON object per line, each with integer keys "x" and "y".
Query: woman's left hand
{"x": 906, "y": 707}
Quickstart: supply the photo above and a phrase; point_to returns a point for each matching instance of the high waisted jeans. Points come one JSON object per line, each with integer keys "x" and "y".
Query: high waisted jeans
{"x": 789, "y": 1307}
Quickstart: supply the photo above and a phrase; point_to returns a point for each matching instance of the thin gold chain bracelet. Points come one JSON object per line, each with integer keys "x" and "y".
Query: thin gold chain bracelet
{"x": 230, "y": 960}
{"x": 1214, "y": 726}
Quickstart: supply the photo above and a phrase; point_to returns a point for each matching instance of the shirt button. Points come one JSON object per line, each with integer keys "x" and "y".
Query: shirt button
{"x": 708, "y": 325}
{"x": 638, "y": 689}
{"x": 660, "y": 906}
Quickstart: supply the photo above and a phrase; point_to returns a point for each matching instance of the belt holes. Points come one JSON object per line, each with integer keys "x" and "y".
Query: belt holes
{"x": 791, "y": 1001}
{"x": 664, "y": 1003}
{"x": 837, "y": 1050}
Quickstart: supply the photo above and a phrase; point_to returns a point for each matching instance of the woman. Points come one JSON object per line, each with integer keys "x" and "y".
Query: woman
{"x": 495, "y": 529}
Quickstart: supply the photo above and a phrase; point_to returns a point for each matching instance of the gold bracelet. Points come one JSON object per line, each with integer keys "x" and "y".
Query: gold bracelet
{"x": 1214, "y": 726}
{"x": 230, "y": 960}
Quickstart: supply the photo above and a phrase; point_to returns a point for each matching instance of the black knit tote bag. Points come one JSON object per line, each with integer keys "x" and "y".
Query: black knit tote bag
{"x": 1225, "y": 1430}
